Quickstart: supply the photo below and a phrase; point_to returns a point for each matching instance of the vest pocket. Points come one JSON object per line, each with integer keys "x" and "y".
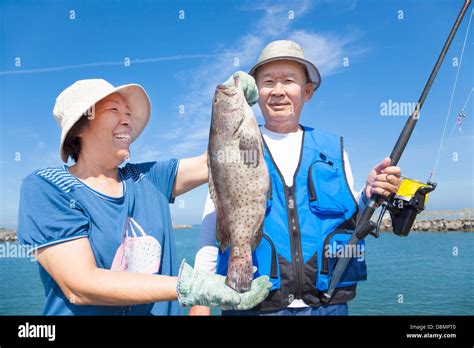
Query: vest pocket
{"x": 265, "y": 258}
{"x": 325, "y": 188}
{"x": 310, "y": 275}
{"x": 335, "y": 246}
{"x": 274, "y": 261}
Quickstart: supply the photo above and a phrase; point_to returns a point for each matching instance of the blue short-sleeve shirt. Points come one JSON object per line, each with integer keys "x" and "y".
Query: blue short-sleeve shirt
{"x": 55, "y": 207}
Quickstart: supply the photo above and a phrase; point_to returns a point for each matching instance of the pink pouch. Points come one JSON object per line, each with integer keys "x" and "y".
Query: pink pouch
{"x": 140, "y": 254}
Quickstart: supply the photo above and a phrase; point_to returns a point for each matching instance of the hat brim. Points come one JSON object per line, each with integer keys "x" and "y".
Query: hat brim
{"x": 137, "y": 100}
{"x": 313, "y": 72}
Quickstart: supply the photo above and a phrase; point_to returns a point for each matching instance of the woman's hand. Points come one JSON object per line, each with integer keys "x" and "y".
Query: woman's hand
{"x": 192, "y": 172}
{"x": 208, "y": 289}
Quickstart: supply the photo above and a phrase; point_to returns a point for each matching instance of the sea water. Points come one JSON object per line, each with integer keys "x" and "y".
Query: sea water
{"x": 426, "y": 273}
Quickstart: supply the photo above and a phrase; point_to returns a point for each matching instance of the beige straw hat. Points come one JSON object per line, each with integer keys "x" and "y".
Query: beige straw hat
{"x": 287, "y": 50}
{"x": 76, "y": 100}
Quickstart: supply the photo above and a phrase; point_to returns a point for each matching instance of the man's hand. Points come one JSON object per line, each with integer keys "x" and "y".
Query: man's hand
{"x": 383, "y": 180}
{"x": 248, "y": 85}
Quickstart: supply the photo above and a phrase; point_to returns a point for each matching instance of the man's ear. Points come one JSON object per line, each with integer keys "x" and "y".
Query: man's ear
{"x": 308, "y": 91}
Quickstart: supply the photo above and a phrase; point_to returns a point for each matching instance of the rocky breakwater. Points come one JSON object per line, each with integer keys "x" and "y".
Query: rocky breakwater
{"x": 441, "y": 225}
{"x": 7, "y": 235}
{"x": 465, "y": 224}
{"x": 182, "y": 227}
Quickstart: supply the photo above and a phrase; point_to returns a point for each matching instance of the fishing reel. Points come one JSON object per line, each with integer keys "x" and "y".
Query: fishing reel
{"x": 405, "y": 205}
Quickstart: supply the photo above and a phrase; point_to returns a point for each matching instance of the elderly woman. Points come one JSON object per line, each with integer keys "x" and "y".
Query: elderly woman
{"x": 102, "y": 233}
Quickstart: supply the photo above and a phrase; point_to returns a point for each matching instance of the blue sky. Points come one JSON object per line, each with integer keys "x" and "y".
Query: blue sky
{"x": 180, "y": 61}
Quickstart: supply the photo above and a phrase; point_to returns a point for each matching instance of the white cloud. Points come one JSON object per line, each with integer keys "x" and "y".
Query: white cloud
{"x": 177, "y": 57}
{"x": 189, "y": 132}
{"x": 145, "y": 153}
{"x": 188, "y": 148}
{"x": 325, "y": 50}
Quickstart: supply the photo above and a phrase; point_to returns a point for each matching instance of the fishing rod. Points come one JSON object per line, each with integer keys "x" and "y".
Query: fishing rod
{"x": 406, "y": 218}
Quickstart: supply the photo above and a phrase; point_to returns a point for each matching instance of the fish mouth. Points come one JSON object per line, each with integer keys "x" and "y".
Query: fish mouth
{"x": 227, "y": 90}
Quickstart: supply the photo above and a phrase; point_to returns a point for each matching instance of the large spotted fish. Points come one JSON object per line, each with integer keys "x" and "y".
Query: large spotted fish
{"x": 238, "y": 181}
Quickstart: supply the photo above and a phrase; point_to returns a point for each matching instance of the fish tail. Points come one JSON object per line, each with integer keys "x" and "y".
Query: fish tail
{"x": 240, "y": 270}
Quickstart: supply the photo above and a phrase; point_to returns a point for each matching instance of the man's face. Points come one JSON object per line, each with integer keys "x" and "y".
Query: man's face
{"x": 283, "y": 89}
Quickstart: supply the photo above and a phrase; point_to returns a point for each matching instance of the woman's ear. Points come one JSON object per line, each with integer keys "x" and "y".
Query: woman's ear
{"x": 80, "y": 134}
{"x": 84, "y": 127}
{"x": 308, "y": 91}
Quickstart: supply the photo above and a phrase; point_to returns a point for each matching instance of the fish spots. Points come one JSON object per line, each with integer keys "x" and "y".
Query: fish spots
{"x": 240, "y": 186}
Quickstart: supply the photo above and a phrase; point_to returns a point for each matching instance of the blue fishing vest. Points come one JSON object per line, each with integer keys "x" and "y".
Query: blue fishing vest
{"x": 306, "y": 226}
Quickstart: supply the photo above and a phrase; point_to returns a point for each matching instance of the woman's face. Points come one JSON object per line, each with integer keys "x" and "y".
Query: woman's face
{"x": 107, "y": 136}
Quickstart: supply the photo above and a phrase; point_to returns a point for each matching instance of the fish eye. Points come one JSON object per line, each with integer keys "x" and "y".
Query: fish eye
{"x": 216, "y": 100}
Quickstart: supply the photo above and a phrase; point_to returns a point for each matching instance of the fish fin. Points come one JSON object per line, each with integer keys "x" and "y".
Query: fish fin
{"x": 258, "y": 235}
{"x": 223, "y": 236}
{"x": 238, "y": 129}
{"x": 212, "y": 189}
{"x": 240, "y": 270}
{"x": 250, "y": 141}
{"x": 222, "y": 233}
{"x": 250, "y": 149}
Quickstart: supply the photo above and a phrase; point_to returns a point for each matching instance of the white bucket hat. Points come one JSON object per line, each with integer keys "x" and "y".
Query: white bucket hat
{"x": 82, "y": 95}
{"x": 287, "y": 50}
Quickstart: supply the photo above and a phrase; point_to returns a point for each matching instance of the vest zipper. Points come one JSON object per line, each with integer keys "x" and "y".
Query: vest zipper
{"x": 292, "y": 216}
{"x": 295, "y": 239}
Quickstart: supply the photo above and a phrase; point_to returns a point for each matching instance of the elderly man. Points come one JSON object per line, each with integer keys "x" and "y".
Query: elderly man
{"x": 313, "y": 205}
